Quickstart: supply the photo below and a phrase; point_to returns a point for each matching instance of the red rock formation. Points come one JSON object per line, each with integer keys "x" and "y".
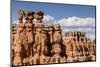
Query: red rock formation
{"x": 36, "y": 43}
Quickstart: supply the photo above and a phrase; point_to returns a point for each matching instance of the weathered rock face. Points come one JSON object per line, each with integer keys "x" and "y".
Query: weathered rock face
{"x": 35, "y": 43}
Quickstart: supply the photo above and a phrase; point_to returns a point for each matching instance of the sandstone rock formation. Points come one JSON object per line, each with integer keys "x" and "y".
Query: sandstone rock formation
{"x": 36, "y": 43}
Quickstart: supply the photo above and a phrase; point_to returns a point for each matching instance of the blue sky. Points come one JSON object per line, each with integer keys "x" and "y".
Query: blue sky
{"x": 56, "y": 10}
{"x": 70, "y": 17}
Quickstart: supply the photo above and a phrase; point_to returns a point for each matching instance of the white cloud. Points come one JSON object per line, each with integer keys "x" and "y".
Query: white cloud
{"x": 77, "y": 21}
{"x": 48, "y": 19}
{"x": 70, "y": 21}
